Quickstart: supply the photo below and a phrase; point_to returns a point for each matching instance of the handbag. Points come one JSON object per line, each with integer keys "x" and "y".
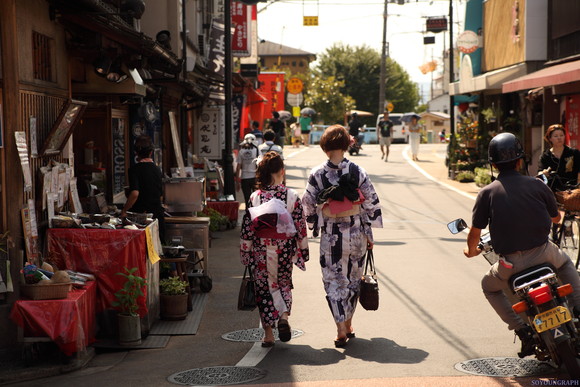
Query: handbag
{"x": 247, "y": 296}
{"x": 369, "y": 287}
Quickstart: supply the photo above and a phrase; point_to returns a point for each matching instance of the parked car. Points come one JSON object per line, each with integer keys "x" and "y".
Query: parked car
{"x": 399, "y": 133}
{"x": 370, "y": 136}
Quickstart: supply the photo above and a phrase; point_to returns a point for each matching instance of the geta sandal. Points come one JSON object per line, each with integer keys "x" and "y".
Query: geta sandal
{"x": 340, "y": 342}
{"x": 267, "y": 344}
{"x": 284, "y": 331}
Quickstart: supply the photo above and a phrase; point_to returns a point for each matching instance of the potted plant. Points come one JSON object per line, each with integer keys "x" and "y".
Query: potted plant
{"x": 129, "y": 322}
{"x": 173, "y": 298}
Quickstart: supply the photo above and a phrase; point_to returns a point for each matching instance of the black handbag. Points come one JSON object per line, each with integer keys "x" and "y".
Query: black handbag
{"x": 247, "y": 296}
{"x": 369, "y": 287}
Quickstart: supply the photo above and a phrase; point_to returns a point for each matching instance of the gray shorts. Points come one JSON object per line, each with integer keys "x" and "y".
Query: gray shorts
{"x": 386, "y": 141}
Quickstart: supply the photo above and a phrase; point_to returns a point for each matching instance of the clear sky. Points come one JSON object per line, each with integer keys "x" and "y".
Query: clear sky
{"x": 360, "y": 22}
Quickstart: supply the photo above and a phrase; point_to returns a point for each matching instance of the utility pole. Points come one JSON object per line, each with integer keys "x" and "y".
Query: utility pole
{"x": 383, "y": 75}
{"x": 451, "y": 72}
{"x": 228, "y": 160}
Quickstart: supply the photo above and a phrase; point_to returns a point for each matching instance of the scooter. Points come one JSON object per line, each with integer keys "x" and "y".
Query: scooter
{"x": 356, "y": 146}
{"x": 542, "y": 298}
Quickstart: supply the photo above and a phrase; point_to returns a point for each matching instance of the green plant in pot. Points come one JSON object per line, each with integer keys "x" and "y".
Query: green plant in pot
{"x": 173, "y": 298}
{"x": 129, "y": 322}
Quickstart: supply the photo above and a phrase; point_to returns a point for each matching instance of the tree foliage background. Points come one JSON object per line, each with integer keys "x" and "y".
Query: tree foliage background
{"x": 344, "y": 71}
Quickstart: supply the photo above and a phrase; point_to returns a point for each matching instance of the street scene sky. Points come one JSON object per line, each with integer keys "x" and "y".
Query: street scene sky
{"x": 361, "y": 22}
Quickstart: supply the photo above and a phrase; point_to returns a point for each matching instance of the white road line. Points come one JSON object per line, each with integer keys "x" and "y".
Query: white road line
{"x": 428, "y": 176}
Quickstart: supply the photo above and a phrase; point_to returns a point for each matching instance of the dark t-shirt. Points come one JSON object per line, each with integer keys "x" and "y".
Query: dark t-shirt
{"x": 518, "y": 210}
{"x": 147, "y": 179}
{"x": 386, "y": 127}
{"x": 567, "y": 167}
{"x": 278, "y": 128}
{"x": 354, "y": 127}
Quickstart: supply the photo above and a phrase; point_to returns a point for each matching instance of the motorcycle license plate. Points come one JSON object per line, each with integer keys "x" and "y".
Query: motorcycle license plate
{"x": 551, "y": 319}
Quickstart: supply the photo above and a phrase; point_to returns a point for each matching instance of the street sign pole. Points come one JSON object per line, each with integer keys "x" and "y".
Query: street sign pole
{"x": 383, "y": 62}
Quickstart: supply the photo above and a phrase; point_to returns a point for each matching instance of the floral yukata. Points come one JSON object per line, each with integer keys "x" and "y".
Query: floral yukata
{"x": 343, "y": 240}
{"x": 271, "y": 259}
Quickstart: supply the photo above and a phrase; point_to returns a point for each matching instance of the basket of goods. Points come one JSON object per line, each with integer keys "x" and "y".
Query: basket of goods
{"x": 42, "y": 284}
{"x": 570, "y": 199}
{"x": 63, "y": 221}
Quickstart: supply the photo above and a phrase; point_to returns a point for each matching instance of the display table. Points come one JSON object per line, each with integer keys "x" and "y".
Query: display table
{"x": 69, "y": 322}
{"x": 227, "y": 208}
{"x": 104, "y": 253}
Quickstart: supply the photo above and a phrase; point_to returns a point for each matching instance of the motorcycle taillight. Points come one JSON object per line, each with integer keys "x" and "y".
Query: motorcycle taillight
{"x": 541, "y": 295}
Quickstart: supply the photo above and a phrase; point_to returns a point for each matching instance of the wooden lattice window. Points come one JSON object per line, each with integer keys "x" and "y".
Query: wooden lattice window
{"x": 42, "y": 47}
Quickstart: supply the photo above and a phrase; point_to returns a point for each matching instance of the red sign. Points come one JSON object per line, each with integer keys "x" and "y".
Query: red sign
{"x": 572, "y": 117}
{"x": 272, "y": 88}
{"x": 436, "y": 24}
{"x": 241, "y": 23}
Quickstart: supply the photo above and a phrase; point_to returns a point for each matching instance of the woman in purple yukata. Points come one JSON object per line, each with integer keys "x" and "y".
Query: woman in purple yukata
{"x": 271, "y": 255}
{"x": 341, "y": 201}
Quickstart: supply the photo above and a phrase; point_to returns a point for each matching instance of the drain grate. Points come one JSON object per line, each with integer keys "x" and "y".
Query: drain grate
{"x": 504, "y": 367}
{"x": 254, "y": 335}
{"x": 217, "y": 376}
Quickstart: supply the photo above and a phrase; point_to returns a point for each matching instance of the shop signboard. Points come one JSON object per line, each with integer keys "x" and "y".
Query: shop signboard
{"x": 208, "y": 134}
{"x": 119, "y": 152}
{"x": 272, "y": 88}
{"x": 242, "y": 24}
{"x": 217, "y": 57}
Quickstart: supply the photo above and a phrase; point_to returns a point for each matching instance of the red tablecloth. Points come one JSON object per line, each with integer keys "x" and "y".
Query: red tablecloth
{"x": 103, "y": 253}
{"x": 229, "y": 209}
{"x": 69, "y": 322}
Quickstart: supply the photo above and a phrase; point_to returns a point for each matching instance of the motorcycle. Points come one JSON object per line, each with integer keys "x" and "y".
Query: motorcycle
{"x": 542, "y": 298}
{"x": 355, "y": 147}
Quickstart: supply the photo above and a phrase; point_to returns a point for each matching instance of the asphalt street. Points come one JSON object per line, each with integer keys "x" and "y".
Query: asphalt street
{"x": 432, "y": 312}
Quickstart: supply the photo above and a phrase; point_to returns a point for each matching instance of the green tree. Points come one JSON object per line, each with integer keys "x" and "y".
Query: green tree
{"x": 359, "y": 69}
{"x": 325, "y": 96}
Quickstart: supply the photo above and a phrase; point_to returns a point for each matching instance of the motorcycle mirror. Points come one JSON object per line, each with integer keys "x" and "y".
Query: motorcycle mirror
{"x": 543, "y": 177}
{"x": 457, "y": 226}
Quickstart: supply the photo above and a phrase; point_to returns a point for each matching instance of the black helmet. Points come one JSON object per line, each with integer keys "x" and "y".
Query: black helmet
{"x": 503, "y": 148}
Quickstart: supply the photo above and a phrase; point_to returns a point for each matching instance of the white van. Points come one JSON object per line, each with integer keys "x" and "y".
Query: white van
{"x": 399, "y": 133}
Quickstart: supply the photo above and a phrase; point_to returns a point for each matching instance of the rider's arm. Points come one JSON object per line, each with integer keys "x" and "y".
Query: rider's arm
{"x": 472, "y": 240}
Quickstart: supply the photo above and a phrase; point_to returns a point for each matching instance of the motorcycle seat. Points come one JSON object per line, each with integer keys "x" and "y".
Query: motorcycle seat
{"x": 530, "y": 275}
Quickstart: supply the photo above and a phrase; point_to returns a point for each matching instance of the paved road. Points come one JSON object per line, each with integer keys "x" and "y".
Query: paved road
{"x": 432, "y": 313}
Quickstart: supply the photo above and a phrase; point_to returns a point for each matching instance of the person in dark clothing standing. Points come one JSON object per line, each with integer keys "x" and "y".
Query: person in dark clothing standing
{"x": 146, "y": 185}
{"x": 385, "y": 130}
{"x": 279, "y": 128}
{"x": 354, "y": 129}
{"x": 561, "y": 159}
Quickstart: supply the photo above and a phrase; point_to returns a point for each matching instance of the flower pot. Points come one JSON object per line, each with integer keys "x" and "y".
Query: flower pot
{"x": 129, "y": 330}
{"x": 173, "y": 307}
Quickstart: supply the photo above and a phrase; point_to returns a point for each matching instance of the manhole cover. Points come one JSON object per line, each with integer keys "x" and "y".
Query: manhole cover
{"x": 217, "y": 376}
{"x": 504, "y": 366}
{"x": 254, "y": 334}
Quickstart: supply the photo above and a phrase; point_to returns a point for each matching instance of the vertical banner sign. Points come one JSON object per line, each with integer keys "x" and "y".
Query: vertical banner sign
{"x": 241, "y": 23}
{"x": 272, "y": 88}
{"x": 208, "y": 134}
{"x": 217, "y": 58}
{"x": 237, "y": 106}
{"x": 572, "y": 116}
{"x": 119, "y": 151}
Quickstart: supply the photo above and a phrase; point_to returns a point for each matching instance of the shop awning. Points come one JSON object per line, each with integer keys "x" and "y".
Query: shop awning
{"x": 551, "y": 76}
{"x": 492, "y": 80}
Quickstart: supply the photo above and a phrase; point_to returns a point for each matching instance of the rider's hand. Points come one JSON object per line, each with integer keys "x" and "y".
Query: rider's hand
{"x": 470, "y": 254}
{"x": 547, "y": 171}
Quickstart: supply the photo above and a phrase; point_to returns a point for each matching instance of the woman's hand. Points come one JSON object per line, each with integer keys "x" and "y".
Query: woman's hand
{"x": 370, "y": 244}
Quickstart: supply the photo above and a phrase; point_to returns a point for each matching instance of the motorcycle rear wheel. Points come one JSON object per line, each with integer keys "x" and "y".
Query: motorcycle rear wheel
{"x": 568, "y": 357}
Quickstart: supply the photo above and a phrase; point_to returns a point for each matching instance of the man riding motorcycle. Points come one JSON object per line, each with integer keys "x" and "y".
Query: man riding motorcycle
{"x": 519, "y": 211}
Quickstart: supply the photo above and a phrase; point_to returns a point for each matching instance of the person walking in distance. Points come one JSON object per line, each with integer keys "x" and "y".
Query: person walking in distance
{"x": 246, "y": 166}
{"x": 277, "y": 125}
{"x": 519, "y": 211}
{"x": 269, "y": 145}
{"x": 414, "y": 136}
{"x": 385, "y": 130}
{"x": 346, "y": 233}
{"x": 271, "y": 255}
{"x": 355, "y": 127}
{"x": 305, "y": 127}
